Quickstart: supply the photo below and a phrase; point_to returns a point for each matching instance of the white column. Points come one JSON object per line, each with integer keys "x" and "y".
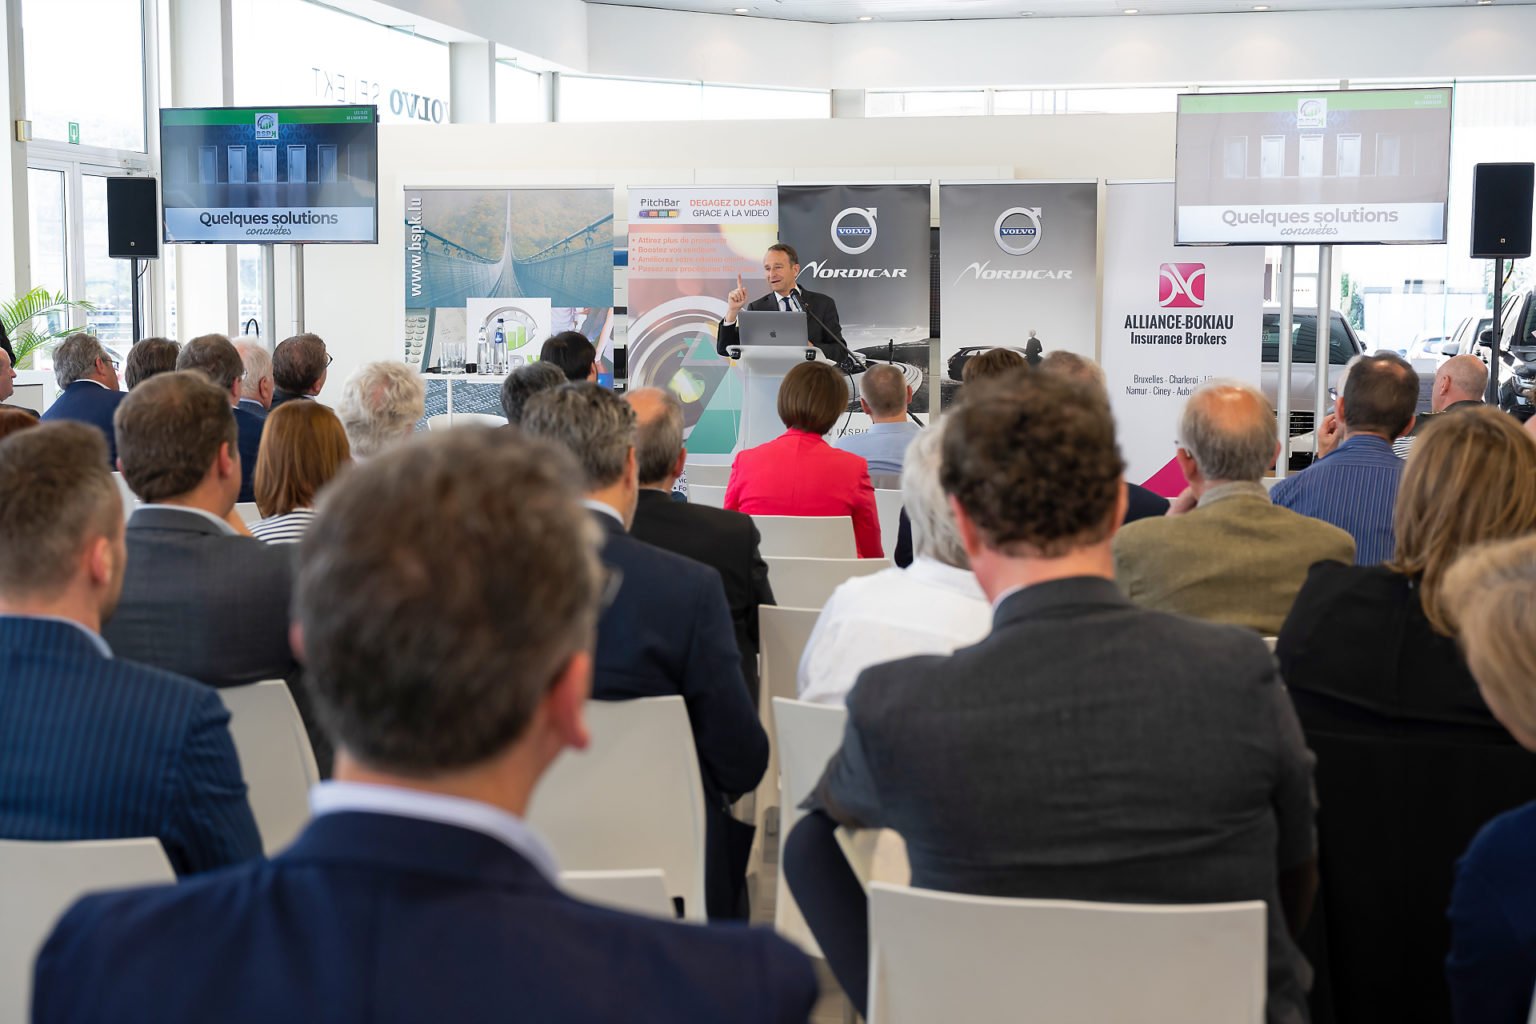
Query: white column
{"x": 15, "y": 258}
{"x": 472, "y": 83}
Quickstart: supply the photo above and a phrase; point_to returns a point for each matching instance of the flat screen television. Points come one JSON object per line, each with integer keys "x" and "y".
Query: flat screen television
{"x": 1313, "y": 168}
{"x": 270, "y": 174}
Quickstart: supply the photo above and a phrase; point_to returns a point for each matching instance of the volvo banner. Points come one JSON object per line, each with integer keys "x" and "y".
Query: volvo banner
{"x": 1173, "y": 319}
{"x": 868, "y": 247}
{"x": 687, "y": 245}
{"x": 1017, "y": 265}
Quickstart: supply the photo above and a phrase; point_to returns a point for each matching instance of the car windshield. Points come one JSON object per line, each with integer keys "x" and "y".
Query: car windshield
{"x": 1304, "y": 339}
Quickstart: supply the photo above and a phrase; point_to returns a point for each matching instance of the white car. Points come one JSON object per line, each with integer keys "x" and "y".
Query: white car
{"x": 1343, "y": 345}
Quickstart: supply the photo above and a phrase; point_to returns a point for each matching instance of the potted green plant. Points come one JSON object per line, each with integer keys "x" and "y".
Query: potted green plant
{"x": 36, "y": 318}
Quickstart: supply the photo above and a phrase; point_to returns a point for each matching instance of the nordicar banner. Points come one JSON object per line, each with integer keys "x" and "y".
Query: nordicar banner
{"x": 1016, "y": 262}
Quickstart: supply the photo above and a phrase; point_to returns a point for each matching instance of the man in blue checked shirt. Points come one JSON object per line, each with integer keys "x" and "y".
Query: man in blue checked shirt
{"x": 1354, "y": 486}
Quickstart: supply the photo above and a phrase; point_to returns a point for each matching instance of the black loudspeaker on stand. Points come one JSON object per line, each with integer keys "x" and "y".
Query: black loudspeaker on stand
{"x": 133, "y": 230}
{"x": 1501, "y": 230}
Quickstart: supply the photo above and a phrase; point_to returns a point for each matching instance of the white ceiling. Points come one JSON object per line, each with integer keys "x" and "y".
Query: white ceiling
{"x": 841, "y": 11}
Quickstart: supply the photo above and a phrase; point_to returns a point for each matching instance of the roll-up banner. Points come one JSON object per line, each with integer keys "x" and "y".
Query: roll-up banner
{"x": 1173, "y": 318}
{"x": 529, "y": 261}
{"x": 1017, "y": 262}
{"x": 687, "y": 244}
{"x": 868, "y": 247}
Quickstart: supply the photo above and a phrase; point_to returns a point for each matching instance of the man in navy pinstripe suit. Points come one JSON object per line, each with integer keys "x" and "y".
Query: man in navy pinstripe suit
{"x": 92, "y": 747}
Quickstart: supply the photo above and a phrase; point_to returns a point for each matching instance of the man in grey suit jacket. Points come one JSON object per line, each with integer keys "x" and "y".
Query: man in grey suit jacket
{"x": 1224, "y": 552}
{"x": 1087, "y": 749}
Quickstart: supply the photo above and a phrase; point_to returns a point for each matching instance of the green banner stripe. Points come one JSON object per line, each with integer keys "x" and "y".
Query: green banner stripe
{"x": 179, "y": 117}
{"x": 1345, "y": 99}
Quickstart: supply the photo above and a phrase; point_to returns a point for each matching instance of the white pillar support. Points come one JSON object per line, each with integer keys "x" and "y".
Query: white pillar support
{"x": 472, "y": 83}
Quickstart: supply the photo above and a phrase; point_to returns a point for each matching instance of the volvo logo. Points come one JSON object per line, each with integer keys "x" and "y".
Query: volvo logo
{"x": 854, "y": 238}
{"x": 1017, "y": 230}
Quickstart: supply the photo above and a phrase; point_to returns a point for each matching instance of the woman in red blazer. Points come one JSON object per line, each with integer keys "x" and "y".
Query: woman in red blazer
{"x": 798, "y": 473}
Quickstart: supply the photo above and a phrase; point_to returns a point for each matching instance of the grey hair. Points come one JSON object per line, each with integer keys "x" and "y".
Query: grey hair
{"x": 525, "y": 382}
{"x": 593, "y": 423}
{"x": 258, "y": 366}
{"x": 75, "y": 356}
{"x": 659, "y": 440}
{"x": 1236, "y": 444}
{"x": 1467, "y": 374}
{"x": 934, "y": 533}
{"x": 380, "y": 404}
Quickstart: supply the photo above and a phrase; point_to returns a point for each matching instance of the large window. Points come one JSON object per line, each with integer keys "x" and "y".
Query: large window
{"x": 519, "y": 94}
{"x": 85, "y": 66}
{"x": 591, "y": 98}
{"x": 931, "y": 103}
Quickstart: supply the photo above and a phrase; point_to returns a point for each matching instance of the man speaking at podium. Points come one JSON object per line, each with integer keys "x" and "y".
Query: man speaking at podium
{"x": 781, "y": 266}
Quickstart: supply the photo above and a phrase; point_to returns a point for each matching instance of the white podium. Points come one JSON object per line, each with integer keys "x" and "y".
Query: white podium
{"x": 762, "y": 369}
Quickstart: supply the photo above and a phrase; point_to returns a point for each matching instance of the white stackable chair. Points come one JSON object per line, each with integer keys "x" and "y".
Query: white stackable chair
{"x": 632, "y": 800}
{"x": 888, "y": 506}
{"x": 706, "y": 494}
{"x": 807, "y": 735}
{"x": 39, "y": 881}
{"x": 638, "y": 892}
{"x": 809, "y": 582}
{"x": 130, "y": 500}
{"x": 782, "y": 635}
{"x": 944, "y": 956}
{"x": 443, "y": 421}
{"x": 275, "y": 757}
{"x": 1269, "y": 482}
{"x": 709, "y": 476}
{"x": 806, "y": 536}
{"x": 248, "y": 512}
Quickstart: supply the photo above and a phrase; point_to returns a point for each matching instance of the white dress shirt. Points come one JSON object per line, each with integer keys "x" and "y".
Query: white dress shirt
{"x": 926, "y": 608}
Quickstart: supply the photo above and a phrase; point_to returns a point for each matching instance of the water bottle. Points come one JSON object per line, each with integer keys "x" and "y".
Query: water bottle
{"x": 483, "y": 353}
{"x": 501, "y": 345}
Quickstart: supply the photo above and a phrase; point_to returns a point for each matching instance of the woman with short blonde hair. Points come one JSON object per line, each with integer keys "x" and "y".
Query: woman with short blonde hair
{"x": 303, "y": 446}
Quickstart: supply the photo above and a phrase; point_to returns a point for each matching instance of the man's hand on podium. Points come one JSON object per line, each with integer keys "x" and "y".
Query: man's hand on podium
{"x": 735, "y": 300}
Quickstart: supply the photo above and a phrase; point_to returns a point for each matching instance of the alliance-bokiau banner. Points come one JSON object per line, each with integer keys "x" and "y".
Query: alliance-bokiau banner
{"x": 1017, "y": 262}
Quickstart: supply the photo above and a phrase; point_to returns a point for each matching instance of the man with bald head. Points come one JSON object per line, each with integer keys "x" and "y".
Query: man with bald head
{"x": 1224, "y": 553}
{"x": 1459, "y": 384}
{"x": 883, "y": 395}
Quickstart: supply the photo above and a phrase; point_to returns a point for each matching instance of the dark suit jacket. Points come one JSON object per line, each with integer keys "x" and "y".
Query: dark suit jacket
{"x": 279, "y": 396}
{"x": 821, "y": 322}
{"x": 250, "y": 444}
{"x": 253, "y": 407}
{"x": 374, "y": 918}
{"x": 96, "y": 748}
{"x": 726, "y": 542}
{"x": 89, "y": 402}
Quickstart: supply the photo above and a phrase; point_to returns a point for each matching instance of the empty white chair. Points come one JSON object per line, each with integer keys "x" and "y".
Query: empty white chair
{"x": 443, "y": 421}
{"x": 39, "y": 881}
{"x": 248, "y": 512}
{"x": 888, "y": 507}
{"x": 782, "y": 635}
{"x": 275, "y": 758}
{"x": 638, "y": 892}
{"x": 130, "y": 500}
{"x": 943, "y": 956}
{"x": 632, "y": 800}
{"x": 706, "y": 494}
{"x": 808, "y": 582}
{"x": 807, "y": 737}
{"x": 709, "y": 476}
{"x": 806, "y": 536}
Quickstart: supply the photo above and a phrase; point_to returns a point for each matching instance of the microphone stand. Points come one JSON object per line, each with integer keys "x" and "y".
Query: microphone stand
{"x": 843, "y": 364}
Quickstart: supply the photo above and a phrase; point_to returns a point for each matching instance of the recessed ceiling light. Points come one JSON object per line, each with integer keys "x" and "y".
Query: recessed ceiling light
{"x": 865, "y": 17}
{"x": 1130, "y": 10}
{"x": 1026, "y": 14}
{"x": 741, "y": 10}
{"x": 1484, "y": 3}
{"x": 1261, "y": 7}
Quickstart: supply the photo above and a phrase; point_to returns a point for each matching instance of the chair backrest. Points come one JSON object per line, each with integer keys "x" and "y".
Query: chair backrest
{"x": 806, "y": 536}
{"x": 1270, "y": 642}
{"x": 631, "y": 800}
{"x": 944, "y": 956}
{"x": 706, "y": 494}
{"x": 808, "y": 582}
{"x": 807, "y": 737}
{"x": 1269, "y": 482}
{"x": 442, "y": 421}
{"x": 782, "y": 635}
{"x": 39, "y": 881}
{"x": 248, "y": 512}
{"x": 888, "y": 506}
{"x": 637, "y": 892}
{"x": 709, "y": 476}
{"x": 130, "y": 500}
{"x": 275, "y": 758}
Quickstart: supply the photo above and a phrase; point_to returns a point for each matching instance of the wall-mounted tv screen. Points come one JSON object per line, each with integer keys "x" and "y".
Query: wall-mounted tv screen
{"x": 270, "y": 174}
{"x": 1313, "y": 168}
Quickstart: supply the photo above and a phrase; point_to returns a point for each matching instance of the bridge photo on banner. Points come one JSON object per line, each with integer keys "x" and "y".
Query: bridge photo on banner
{"x": 500, "y": 270}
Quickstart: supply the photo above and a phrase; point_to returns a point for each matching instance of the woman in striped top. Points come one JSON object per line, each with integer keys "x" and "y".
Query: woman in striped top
{"x": 303, "y": 446}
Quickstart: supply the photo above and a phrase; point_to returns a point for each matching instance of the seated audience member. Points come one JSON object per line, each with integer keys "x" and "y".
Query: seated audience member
{"x": 215, "y": 357}
{"x": 302, "y": 449}
{"x": 725, "y": 541}
{"x": 148, "y": 357}
{"x": 8, "y": 387}
{"x": 668, "y": 629}
{"x": 1141, "y": 503}
{"x": 994, "y": 362}
{"x": 299, "y": 367}
{"x": 1161, "y": 761}
{"x": 525, "y": 382}
{"x": 1459, "y": 384}
{"x": 932, "y": 607}
{"x": 87, "y": 378}
{"x": 883, "y": 395}
{"x": 1354, "y": 486}
{"x": 256, "y": 386}
{"x": 12, "y": 420}
{"x": 95, "y": 747}
{"x": 418, "y": 891}
{"x": 1226, "y": 554}
{"x": 1410, "y": 762}
{"x": 380, "y": 405}
{"x": 798, "y": 473}
{"x": 572, "y": 353}
{"x": 1492, "y": 963}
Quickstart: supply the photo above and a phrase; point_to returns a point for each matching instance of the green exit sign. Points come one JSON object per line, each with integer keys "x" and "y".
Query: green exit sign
{"x": 74, "y": 133}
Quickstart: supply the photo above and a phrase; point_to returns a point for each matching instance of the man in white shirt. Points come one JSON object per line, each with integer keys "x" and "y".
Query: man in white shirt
{"x": 933, "y": 606}
{"x": 883, "y": 394}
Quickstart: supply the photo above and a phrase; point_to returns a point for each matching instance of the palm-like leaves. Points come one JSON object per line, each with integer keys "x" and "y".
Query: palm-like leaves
{"x": 36, "y": 318}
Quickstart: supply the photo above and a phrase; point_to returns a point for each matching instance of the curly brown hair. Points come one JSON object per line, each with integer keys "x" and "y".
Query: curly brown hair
{"x": 1032, "y": 459}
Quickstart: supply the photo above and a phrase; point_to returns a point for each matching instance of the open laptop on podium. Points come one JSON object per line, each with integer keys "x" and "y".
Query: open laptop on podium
{"x": 772, "y": 342}
{"x": 773, "y": 327}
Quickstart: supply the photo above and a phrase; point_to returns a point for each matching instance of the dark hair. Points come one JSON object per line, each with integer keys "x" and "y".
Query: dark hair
{"x": 298, "y": 363}
{"x": 14, "y": 419}
{"x": 811, "y": 397}
{"x": 787, "y": 250}
{"x": 303, "y": 446}
{"x": 215, "y": 356}
{"x": 148, "y": 357}
{"x": 1032, "y": 459}
{"x": 1381, "y": 394}
{"x": 429, "y": 658}
{"x": 572, "y": 352}
{"x": 591, "y": 422}
{"x": 525, "y": 382}
{"x": 991, "y": 363}
{"x": 169, "y": 430}
{"x": 55, "y": 496}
